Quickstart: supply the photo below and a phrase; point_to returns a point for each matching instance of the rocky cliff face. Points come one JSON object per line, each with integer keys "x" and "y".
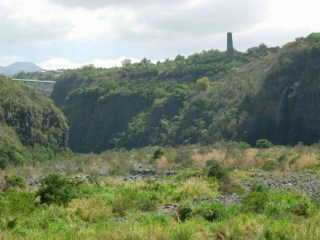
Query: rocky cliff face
{"x": 286, "y": 110}
{"x": 29, "y": 119}
{"x": 271, "y": 93}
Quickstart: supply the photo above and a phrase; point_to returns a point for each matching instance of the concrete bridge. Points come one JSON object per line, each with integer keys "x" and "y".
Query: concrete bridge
{"x": 43, "y": 86}
{"x": 35, "y": 81}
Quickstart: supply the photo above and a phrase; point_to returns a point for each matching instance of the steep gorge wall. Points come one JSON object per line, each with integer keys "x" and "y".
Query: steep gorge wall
{"x": 28, "y": 119}
{"x": 287, "y": 109}
{"x": 267, "y": 93}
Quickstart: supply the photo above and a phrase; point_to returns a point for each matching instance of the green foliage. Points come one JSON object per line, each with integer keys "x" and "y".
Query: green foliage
{"x": 183, "y": 232}
{"x": 130, "y": 198}
{"x": 256, "y": 201}
{"x": 203, "y": 84}
{"x": 158, "y": 154}
{"x": 263, "y": 143}
{"x": 16, "y": 203}
{"x": 56, "y": 189}
{"x": 214, "y": 169}
{"x": 184, "y": 212}
{"x": 283, "y": 203}
{"x": 149, "y": 209}
{"x": 27, "y": 119}
{"x": 270, "y": 165}
{"x": 152, "y": 104}
{"x": 212, "y": 211}
{"x": 14, "y": 181}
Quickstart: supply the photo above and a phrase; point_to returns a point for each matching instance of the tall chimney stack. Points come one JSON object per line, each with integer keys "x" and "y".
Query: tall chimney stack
{"x": 230, "y": 48}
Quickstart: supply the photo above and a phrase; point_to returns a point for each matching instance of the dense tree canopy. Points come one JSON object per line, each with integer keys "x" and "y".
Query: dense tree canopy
{"x": 203, "y": 98}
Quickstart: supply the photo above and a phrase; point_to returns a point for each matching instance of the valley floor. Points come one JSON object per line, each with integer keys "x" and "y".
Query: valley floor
{"x": 225, "y": 191}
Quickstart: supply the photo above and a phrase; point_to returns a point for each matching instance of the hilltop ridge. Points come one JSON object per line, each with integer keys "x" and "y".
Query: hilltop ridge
{"x": 18, "y": 67}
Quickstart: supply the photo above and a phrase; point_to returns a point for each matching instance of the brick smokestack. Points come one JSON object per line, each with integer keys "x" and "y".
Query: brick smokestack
{"x": 230, "y": 48}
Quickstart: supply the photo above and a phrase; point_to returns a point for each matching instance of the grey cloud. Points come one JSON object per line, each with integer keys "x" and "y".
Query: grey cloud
{"x": 210, "y": 17}
{"x": 19, "y": 33}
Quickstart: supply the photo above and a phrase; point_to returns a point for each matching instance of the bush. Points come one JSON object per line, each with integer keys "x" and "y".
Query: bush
{"x": 214, "y": 169}
{"x": 270, "y": 165}
{"x": 4, "y": 162}
{"x": 157, "y": 154}
{"x": 256, "y": 201}
{"x": 14, "y": 182}
{"x": 184, "y": 213}
{"x": 133, "y": 198}
{"x": 203, "y": 84}
{"x": 283, "y": 203}
{"x": 14, "y": 204}
{"x": 10, "y": 155}
{"x": 263, "y": 143}
{"x": 212, "y": 211}
{"x": 56, "y": 189}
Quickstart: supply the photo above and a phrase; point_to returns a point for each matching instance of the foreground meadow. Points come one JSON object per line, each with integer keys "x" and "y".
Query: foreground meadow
{"x": 228, "y": 191}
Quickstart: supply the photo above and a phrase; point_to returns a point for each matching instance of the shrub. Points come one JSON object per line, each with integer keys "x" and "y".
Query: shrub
{"x": 133, "y": 198}
{"x": 14, "y": 182}
{"x": 270, "y": 165}
{"x": 284, "y": 203}
{"x": 4, "y": 162}
{"x": 212, "y": 211}
{"x": 146, "y": 201}
{"x": 10, "y": 155}
{"x": 157, "y": 154}
{"x": 56, "y": 189}
{"x": 263, "y": 143}
{"x": 203, "y": 84}
{"x": 214, "y": 169}
{"x": 256, "y": 201}
{"x": 184, "y": 213}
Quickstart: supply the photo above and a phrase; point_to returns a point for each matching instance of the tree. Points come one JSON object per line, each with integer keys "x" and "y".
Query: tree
{"x": 56, "y": 189}
{"x": 203, "y": 84}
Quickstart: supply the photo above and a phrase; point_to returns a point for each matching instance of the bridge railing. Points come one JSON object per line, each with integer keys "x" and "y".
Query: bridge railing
{"x": 35, "y": 81}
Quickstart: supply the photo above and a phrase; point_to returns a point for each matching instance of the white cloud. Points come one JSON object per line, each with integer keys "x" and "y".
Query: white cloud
{"x": 108, "y": 29}
{"x": 63, "y": 63}
{"x": 58, "y": 63}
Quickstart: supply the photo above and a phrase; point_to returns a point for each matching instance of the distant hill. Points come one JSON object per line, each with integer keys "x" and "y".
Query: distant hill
{"x": 18, "y": 67}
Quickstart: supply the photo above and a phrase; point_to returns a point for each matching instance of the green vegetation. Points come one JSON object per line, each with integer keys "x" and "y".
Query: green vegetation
{"x": 193, "y": 149}
{"x": 185, "y": 205}
{"x": 56, "y": 189}
{"x": 172, "y": 102}
{"x": 29, "y": 123}
{"x": 266, "y": 93}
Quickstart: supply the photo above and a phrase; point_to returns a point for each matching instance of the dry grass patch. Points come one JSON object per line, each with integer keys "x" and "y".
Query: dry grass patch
{"x": 90, "y": 210}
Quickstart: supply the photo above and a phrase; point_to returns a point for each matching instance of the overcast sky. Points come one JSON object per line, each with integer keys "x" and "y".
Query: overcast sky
{"x": 71, "y": 33}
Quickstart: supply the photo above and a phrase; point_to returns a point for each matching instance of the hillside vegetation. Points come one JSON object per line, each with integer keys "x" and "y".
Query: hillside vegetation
{"x": 198, "y": 99}
{"x": 266, "y": 93}
{"x": 28, "y": 121}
